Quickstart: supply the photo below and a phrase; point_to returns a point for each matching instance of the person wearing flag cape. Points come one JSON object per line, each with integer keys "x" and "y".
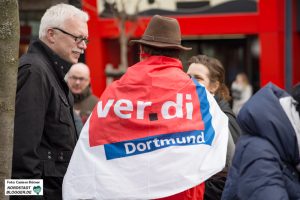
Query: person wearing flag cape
{"x": 155, "y": 133}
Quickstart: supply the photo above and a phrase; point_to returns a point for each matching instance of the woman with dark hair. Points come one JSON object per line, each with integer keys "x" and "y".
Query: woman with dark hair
{"x": 210, "y": 72}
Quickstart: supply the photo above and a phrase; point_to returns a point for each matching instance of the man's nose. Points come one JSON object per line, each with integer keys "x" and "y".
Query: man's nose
{"x": 82, "y": 45}
{"x": 77, "y": 81}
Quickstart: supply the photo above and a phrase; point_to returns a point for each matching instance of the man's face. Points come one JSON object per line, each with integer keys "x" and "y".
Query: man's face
{"x": 78, "y": 79}
{"x": 64, "y": 43}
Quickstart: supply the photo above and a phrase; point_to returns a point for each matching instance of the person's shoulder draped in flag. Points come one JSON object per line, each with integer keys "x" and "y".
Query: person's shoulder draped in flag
{"x": 155, "y": 133}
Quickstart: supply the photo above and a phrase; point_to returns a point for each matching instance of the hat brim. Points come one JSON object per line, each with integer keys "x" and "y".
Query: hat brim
{"x": 159, "y": 44}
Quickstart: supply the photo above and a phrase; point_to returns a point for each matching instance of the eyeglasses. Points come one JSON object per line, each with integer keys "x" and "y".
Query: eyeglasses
{"x": 78, "y": 39}
{"x": 75, "y": 78}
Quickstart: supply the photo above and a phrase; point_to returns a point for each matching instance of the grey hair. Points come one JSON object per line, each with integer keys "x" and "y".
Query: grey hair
{"x": 56, "y": 15}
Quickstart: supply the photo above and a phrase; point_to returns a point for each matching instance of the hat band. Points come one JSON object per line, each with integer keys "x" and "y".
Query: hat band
{"x": 161, "y": 39}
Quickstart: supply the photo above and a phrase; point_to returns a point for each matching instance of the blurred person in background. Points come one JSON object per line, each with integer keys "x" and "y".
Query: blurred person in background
{"x": 210, "y": 72}
{"x": 44, "y": 131}
{"x": 241, "y": 91}
{"x": 266, "y": 162}
{"x": 78, "y": 79}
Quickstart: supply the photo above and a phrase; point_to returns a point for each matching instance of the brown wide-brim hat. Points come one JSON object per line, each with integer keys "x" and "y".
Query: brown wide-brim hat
{"x": 162, "y": 32}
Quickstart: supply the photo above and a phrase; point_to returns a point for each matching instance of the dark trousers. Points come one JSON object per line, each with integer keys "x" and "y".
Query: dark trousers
{"x": 214, "y": 187}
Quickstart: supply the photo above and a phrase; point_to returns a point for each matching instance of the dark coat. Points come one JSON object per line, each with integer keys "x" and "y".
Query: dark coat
{"x": 214, "y": 186}
{"x": 85, "y": 103}
{"x": 234, "y": 127}
{"x": 264, "y": 164}
{"x": 44, "y": 134}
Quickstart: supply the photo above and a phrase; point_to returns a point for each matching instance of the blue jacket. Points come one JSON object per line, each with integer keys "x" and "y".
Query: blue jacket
{"x": 264, "y": 164}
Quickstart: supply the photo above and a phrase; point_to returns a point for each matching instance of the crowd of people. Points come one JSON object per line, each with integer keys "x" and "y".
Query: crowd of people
{"x": 249, "y": 150}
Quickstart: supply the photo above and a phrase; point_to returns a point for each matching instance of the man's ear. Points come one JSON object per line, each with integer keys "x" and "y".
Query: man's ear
{"x": 141, "y": 49}
{"x": 141, "y": 52}
{"x": 50, "y": 36}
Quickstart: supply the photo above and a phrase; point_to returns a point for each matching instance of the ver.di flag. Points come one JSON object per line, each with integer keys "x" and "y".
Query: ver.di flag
{"x": 148, "y": 140}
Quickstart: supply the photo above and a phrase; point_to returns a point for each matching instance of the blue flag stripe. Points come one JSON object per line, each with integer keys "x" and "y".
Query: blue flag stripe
{"x": 204, "y": 109}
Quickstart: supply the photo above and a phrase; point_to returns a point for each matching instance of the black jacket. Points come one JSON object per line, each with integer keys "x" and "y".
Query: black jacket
{"x": 214, "y": 185}
{"x": 45, "y": 134}
{"x": 234, "y": 127}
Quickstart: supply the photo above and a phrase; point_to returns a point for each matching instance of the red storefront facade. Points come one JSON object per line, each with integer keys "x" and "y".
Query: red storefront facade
{"x": 268, "y": 23}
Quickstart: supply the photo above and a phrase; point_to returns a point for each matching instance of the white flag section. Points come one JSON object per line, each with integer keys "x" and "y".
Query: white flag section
{"x": 153, "y": 166}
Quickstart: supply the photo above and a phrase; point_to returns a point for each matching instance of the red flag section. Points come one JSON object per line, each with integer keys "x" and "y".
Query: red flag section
{"x": 149, "y": 107}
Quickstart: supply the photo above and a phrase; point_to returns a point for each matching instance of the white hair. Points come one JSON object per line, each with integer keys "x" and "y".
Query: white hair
{"x": 56, "y": 15}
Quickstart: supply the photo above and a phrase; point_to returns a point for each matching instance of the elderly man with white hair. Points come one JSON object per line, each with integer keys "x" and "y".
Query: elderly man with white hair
{"x": 44, "y": 132}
